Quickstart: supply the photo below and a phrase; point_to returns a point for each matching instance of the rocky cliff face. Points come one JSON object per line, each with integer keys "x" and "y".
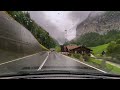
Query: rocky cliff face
{"x": 99, "y": 23}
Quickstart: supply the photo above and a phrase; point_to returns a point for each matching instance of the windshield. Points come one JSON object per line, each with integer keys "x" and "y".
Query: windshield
{"x": 80, "y": 41}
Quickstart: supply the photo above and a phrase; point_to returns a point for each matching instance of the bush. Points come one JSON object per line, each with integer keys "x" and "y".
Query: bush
{"x": 93, "y": 39}
{"x": 118, "y": 41}
{"x": 113, "y": 50}
{"x": 117, "y": 49}
{"x": 58, "y": 49}
{"x": 115, "y": 58}
{"x": 86, "y": 57}
{"x": 110, "y": 48}
{"x": 76, "y": 56}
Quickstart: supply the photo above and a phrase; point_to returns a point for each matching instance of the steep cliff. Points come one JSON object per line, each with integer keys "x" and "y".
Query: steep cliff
{"x": 100, "y": 23}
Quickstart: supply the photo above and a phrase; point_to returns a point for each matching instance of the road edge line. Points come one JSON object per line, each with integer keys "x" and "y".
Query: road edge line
{"x": 18, "y": 59}
{"x": 43, "y": 62}
{"x": 86, "y": 64}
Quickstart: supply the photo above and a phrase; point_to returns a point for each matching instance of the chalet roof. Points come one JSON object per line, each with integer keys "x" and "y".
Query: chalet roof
{"x": 74, "y": 47}
{"x": 82, "y": 47}
{"x": 70, "y": 47}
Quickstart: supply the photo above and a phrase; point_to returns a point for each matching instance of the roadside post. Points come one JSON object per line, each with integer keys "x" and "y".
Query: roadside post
{"x": 103, "y": 63}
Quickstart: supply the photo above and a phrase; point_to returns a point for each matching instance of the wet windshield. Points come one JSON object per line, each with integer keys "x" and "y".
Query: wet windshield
{"x": 80, "y": 41}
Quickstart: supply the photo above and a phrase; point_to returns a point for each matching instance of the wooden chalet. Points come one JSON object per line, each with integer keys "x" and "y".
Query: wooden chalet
{"x": 76, "y": 49}
{"x": 81, "y": 50}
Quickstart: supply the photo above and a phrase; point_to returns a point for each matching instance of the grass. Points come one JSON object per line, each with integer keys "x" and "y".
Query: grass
{"x": 43, "y": 48}
{"x": 57, "y": 48}
{"x": 77, "y": 56}
{"x": 115, "y": 69}
{"x": 98, "y": 49}
{"x": 97, "y": 52}
{"x": 108, "y": 67}
{"x": 95, "y": 61}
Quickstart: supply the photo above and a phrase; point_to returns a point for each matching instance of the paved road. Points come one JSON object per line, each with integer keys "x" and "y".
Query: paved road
{"x": 31, "y": 62}
{"x": 45, "y": 61}
{"x": 58, "y": 61}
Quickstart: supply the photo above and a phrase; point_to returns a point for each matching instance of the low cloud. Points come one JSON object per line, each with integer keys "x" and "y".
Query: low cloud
{"x": 41, "y": 19}
{"x": 55, "y": 22}
{"x": 78, "y": 16}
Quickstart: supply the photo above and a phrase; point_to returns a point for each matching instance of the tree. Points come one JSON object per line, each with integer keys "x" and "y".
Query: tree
{"x": 111, "y": 47}
{"x": 27, "y": 14}
{"x": 95, "y": 39}
{"x": 39, "y": 33}
{"x": 113, "y": 50}
{"x": 90, "y": 39}
{"x": 118, "y": 41}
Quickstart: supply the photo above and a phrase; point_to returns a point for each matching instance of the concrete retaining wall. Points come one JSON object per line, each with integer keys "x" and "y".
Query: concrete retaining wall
{"x": 16, "y": 38}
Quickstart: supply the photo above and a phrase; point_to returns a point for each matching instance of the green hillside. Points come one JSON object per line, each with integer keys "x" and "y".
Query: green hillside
{"x": 99, "y": 49}
{"x": 93, "y": 39}
{"x": 39, "y": 33}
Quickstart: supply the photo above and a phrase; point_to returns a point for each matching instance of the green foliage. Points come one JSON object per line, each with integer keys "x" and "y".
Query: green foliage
{"x": 111, "y": 47}
{"x": 118, "y": 41}
{"x": 114, "y": 50}
{"x": 94, "y": 61}
{"x": 97, "y": 63}
{"x": 93, "y": 39}
{"x": 99, "y": 49}
{"x": 58, "y": 49}
{"x": 86, "y": 57}
{"x": 90, "y": 39}
{"x": 39, "y": 33}
{"x": 76, "y": 56}
{"x": 66, "y": 43}
{"x": 112, "y": 35}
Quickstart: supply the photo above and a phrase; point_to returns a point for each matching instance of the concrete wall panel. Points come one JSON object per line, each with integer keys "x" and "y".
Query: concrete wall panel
{"x": 16, "y": 38}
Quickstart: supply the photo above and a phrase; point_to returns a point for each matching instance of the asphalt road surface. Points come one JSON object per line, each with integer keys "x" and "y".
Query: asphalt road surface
{"x": 45, "y": 61}
{"x": 58, "y": 61}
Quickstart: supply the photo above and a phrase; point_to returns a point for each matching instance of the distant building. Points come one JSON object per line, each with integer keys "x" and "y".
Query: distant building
{"x": 81, "y": 50}
{"x": 76, "y": 49}
{"x": 64, "y": 48}
{"x": 67, "y": 48}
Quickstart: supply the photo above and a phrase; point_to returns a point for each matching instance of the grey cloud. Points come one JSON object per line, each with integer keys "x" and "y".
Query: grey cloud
{"x": 78, "y": 15}
{"x": 45, "y": 23}
{"x": 75, "y": 16}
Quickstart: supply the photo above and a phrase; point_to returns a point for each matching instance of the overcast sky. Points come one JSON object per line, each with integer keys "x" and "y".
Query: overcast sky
{"x": 56, "y": 22}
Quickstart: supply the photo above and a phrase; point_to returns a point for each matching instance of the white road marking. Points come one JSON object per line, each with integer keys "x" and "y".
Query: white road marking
{"x": 85, "y": 64}
{"x": 18, "y": 59}
{"x": 43, "y": 62}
